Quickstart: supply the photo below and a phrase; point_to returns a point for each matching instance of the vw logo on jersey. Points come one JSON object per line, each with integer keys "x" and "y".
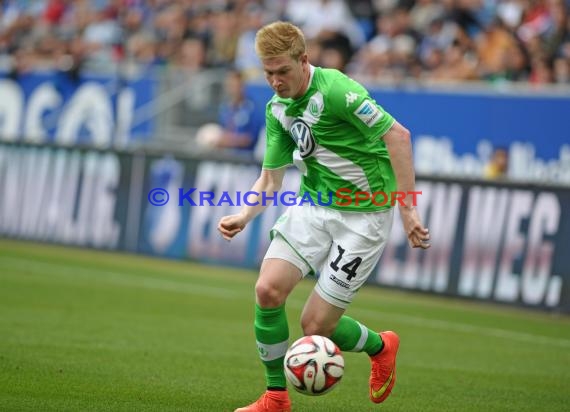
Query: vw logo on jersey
{"x": 301, "y": 133}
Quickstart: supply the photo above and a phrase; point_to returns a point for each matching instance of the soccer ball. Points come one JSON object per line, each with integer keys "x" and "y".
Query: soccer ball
{"x": 209, "y": 135}
{"x": 314, "y": 365}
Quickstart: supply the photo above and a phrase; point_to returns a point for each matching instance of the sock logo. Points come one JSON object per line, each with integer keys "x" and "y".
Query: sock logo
{"x": 269, "y": 352}
{"x": 262, "y": 351}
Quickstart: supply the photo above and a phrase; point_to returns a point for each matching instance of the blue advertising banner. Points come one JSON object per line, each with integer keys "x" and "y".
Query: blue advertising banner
{"x": 56, "y": 107}
{"x": 71, "y": 196}
{"x": 492, "y": 241}
{"x": 455, "y": 132}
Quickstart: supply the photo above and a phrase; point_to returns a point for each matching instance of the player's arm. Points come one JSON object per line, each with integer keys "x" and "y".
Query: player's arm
{"x": 352, "y": 103}
{"x": 399, "y": 145}
{"x": 269, "y": 181}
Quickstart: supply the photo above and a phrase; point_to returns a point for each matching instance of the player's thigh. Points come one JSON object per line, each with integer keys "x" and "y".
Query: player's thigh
{"x": 303, "y": 228}
{"x": 279, "y": 273}
{"x": 357, "y": 246}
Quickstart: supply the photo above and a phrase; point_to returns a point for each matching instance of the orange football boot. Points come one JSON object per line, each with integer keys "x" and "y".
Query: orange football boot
{"x": 383, "y": 373}
{"x": 270, "y": 401}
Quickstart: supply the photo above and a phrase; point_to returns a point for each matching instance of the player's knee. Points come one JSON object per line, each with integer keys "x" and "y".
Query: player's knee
{"x": 269, "y": 295}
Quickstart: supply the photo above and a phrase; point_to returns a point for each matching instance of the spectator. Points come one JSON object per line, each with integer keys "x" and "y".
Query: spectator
{"x": 390, "y": 54}
{"x": 498, "y": 165}
{"x": 438, "y": 36}
{"x": 237, "y": 126}
{"x": 223, "y": 43}
{"x": 562, "y": 70}
{"x": 517, "y": 64}
{"x": 324, "y": 19}
{"x": 141, "y": 49}
{"x": 557, "y": 28}
{"x": 101, "y": 37}
{"x": 335, "y": 52}
{"x": 170, "y": 29}
{"x": 494, "y": 45}
{"x": 424, "y": 12}
{"x": 455, "y": 65}
{"x": 246, "y": 60}
{"x": 541, "y": 71}
{"x": 190, "y": 55}
{"x": 364, "y": 12}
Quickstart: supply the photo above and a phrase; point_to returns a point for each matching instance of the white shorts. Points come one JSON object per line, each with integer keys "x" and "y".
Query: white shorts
{"x": 342, "y": 248}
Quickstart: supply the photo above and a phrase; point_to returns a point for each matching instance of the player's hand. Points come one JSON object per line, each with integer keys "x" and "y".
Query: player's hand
{"x": 418, "y": 235}
{"x": 231, "y": 225}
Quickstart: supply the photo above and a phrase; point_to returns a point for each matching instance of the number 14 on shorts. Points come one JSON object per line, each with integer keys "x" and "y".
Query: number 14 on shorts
{"x": 348, "y": 268}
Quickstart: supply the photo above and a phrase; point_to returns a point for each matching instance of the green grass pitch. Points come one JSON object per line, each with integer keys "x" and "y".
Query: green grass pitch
{"x": 83, "y": 330}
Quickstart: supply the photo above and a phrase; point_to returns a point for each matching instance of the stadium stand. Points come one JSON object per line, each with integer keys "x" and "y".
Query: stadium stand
{"x": 526, "y": 41}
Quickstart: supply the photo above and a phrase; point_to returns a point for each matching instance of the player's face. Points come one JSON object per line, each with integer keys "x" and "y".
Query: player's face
{"x": 288, "y": 77}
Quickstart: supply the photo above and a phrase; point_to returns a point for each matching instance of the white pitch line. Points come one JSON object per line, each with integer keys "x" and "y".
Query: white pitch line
{"x": 120, "y": 278}
{"x": 445, "y": 325}
{"x": 128, "y": 279}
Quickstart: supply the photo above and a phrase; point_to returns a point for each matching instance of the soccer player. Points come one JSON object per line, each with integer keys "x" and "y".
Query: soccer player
{"x": 340, "y": 138}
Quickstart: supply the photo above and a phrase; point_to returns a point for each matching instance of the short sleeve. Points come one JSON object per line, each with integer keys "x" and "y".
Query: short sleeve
{"x": 351, "y": 101}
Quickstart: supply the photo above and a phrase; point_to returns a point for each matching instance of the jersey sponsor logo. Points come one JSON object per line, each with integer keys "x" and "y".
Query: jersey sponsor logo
{"x": 368, "y": 113}
{"x": 350, "y": 98}
{"x": 302, "y": 135}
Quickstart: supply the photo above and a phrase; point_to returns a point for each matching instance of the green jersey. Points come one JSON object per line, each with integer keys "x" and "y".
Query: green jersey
{"x": 333, "y": 134}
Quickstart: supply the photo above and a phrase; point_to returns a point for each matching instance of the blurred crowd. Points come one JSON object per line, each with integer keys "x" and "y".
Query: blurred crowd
{"x": 391, "y": 40}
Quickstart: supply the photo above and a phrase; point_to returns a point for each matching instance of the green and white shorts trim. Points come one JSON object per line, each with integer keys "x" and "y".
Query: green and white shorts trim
{"x": 341, "y": 247}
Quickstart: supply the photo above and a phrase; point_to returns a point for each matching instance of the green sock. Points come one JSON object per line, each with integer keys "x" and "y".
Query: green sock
{"x": 272, "y": 336}
{"x": 352, "y": 336}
